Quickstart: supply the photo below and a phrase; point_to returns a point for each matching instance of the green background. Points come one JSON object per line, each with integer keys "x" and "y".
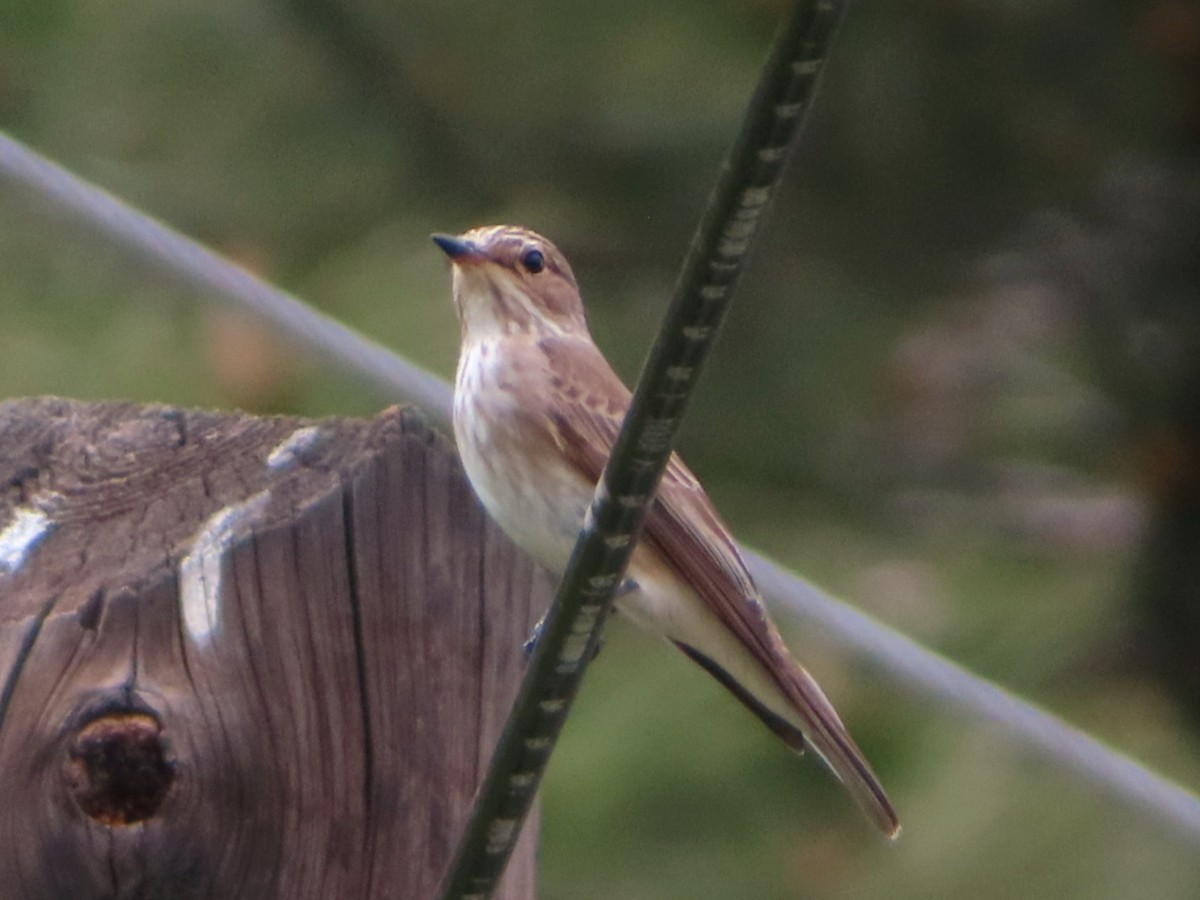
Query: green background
{"x": 946, "y": 391}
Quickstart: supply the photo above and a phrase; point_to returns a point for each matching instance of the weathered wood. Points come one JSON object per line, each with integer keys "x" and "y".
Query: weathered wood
{"x": 245, "y": 657}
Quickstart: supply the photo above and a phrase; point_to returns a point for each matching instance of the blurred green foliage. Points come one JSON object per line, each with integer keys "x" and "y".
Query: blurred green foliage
{"x": 912, "y": 402}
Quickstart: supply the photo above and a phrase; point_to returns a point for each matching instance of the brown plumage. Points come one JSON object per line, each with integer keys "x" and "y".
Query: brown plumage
{"x": 537, "y": 409}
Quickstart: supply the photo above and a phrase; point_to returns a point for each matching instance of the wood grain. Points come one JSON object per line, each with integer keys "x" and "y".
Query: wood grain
{"x": 318, "y": 727}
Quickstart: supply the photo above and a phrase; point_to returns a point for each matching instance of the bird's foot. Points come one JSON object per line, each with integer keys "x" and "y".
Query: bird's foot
{"x": 532, "y": 641}
{"x": 531, "y": 644}
{"x": 626, "y": 586}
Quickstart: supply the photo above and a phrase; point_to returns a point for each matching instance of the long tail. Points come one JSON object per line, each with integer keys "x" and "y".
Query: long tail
{"x": 821, "y": 729}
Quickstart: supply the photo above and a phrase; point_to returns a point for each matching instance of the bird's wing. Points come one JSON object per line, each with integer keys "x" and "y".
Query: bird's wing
{"x": 684, "y": 526}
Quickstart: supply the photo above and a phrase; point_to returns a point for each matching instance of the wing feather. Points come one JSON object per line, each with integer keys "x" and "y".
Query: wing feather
{"x": 684, "y": 526}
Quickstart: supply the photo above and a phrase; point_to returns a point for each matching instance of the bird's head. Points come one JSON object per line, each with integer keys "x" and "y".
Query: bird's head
{"x": 510, "y": 280}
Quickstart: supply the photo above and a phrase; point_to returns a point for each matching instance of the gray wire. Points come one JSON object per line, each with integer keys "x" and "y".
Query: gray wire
{"x": 929, "y": 673}
{"x": 185, "y": 261}
{"x": 918, "y": 668}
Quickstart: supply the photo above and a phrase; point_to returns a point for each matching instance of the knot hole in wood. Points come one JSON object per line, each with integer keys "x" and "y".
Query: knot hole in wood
{"x": 119, "y": 768}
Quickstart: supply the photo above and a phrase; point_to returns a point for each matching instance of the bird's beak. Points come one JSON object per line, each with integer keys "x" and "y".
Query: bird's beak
{"x": 460, "y": 250}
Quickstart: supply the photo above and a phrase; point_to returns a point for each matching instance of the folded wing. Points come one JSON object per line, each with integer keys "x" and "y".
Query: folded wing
{"x": 685, "y": 527}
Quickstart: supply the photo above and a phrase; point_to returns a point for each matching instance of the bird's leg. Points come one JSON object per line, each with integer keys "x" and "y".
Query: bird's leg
{"x": 626, "y": 586}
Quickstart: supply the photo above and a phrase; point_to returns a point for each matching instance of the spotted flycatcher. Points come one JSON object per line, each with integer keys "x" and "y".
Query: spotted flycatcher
{"x": 537, "y": 409}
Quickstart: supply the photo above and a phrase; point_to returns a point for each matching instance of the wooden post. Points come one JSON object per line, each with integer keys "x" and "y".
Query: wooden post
{"x": 245, "y": 657}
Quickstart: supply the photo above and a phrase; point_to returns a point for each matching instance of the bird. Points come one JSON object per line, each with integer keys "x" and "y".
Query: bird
{"x": 537, "y": 409}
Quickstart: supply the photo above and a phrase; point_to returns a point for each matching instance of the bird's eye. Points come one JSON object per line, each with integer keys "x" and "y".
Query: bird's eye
{"x": 533, "y": 261}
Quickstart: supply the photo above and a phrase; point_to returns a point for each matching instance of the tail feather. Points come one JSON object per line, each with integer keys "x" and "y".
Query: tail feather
{"x": 829, "y": 738}
{"x": 821, "y": 729}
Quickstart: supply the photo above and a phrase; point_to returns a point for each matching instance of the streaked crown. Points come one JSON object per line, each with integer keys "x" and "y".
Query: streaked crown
{"x": 509, "y": 280}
